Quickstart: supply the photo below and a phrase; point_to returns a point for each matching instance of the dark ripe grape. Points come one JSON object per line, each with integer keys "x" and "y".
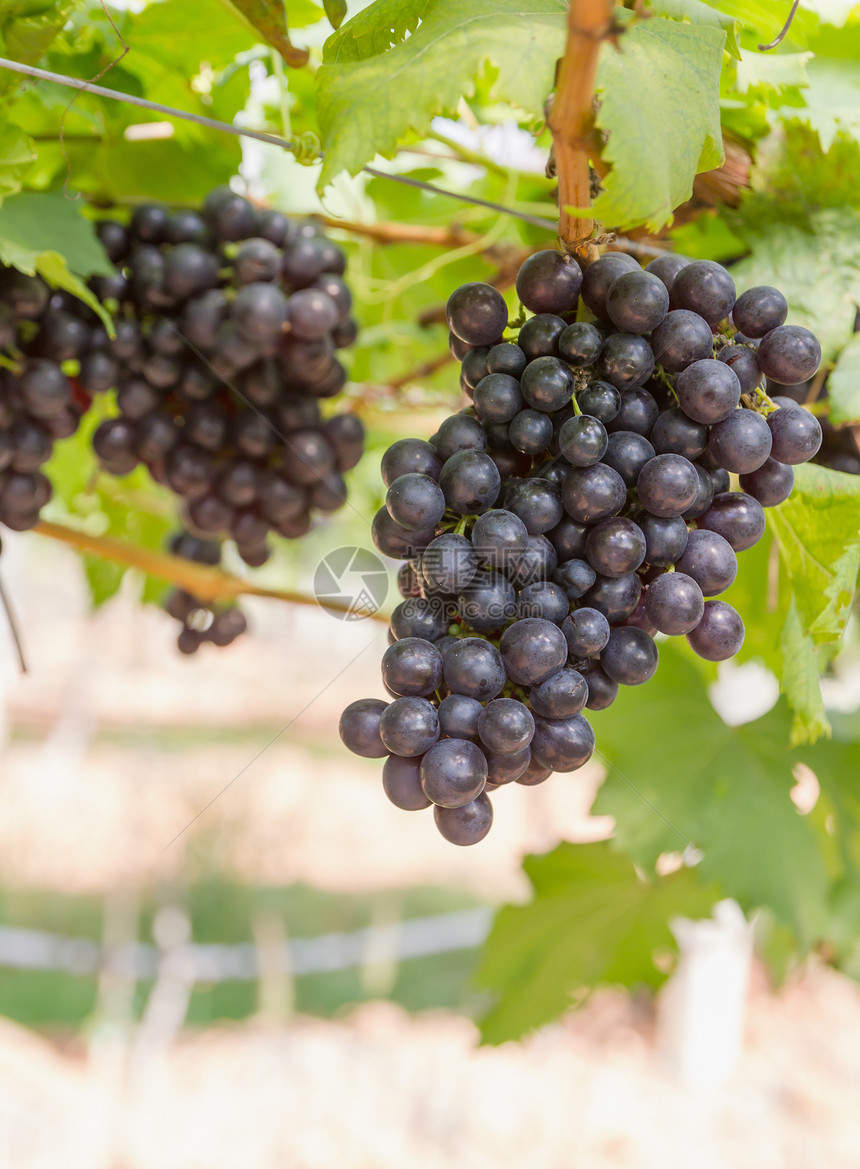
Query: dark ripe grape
{"x": 789, "y": 354}
{"x": 681, "y": 338}
{"x": 720, "y": 633}
{"x": 337, "y": 290}
{"x": 311, "y": 314}
{"x": 602, "y": 691}
{"x": 796, "y": 434}
{"x": 259, "y": 312}
{"x": 457, "y": 348}
{"x": 674, "y": 603}
{"x": 667, "y": 485}
{"x": 162, "y": 372}
{"x": 568, "y": 538}
{"x": 474, "y": 367}
{"x": 239, "y": 483}
{"x": 536, "y": 563}
{"x": 708, "y": 391}
{"x": 249, "y": 529}
{"x": 27, "y": 296}
{"x": 401, "y": 782}
{"x": 543, "y": 599}
{"x": 415, "y": 501}
{"x": 44, "y": 388}
{"x": 189, "y": 470}
{"x": 424, "y": 617}
{"x": 186, "y": 227}
{"x": 537, "y": 503}
{"x": 593, "y": 493}
{"x": 534, "y": 773}
{"x": 758, "y": 310}
{"x": 256, "y": 260}
{"x": 189, "y": 270}
{"x": 561, "y": 696}
{"x": 599, "y": 276}
{"x": 497, "y": 398}
{"x": 615, "y": 547}
{"x": 113, "y": 238}
{"x": 488, "y": 603}
{"x": 626, "y": 360}
{"x": 22, "y": 494}
{"x": 511, "y": 463}
{"x": 113, "y": 440}
{"x": 359, "y": 728}
{"x": 586, "y": 631}
{"x": 477, "y": 314}
{"x": 409, "y": 726}
{"x": 107, "y": 288}
{"x": 741, "y": 442}
{"x": 209, "y": 514}
{"x": 637, "y": 302}
{"x": 26, "y": 445}
{"x": 189, "y": 641}
{"x": 771, "y": 484}
{"x": 506, "y": 358}
{"x": 580, "y": 344}
{"x": 583, "y": 440}
{"x": 253, "y": 434}
{"x": 307, "y": 457}
{"x": 737, "y": 517}
{"x": 667, "y": 267}
{"x": 505, "y": 725}
{"x": 471, "y": 482}
{"x": 458, "y": 717}
{"x": 704, "y": 495}
{"x": 293, "y": 528}
{"x": 254, "y": 555}
{"x": 498, "y": 537}
{"x": 630, "y": 656}
{"x": 154, "y": 435}
{"x": 562, "y": 744}
{"x": 532, "y": 651}
{"x": 665, "y": 538}
{"x": 61, "y": 336}
{"x": 98, "y": 373}
{"x": 466, "y": 825}
{"x": 574, "y": 578}
{"x": 412, "y": 665}
{"x": 149, "y": 223}
{"x": 601, "y": 400}
{"x": 539, "y": 336}
{"x": 721, "y": 479}
{"x": 627, "y": 453}
{"x": 229, "y": 216}
{"x": 203, "y": 317}
{"x": 410, "y": 455}
{"x": 502, "y": 769}
{"x": 206, "y": 424}
{"x": 710, "y": 560}
{"x": 449, "y": 563}
{"x": 345, "y": 433}
{"x": 195, "y": 549}
{"x": 274, "y": 226}
{"x": 474, "y": 667}
{"x": 304, "y": 261}
{"x": 531, "y": 431}
{"x": 394, "y": 541}
{"x": 638, "y": 412}
{"x": 460, "y": 432}
{"x": 547, "y": 384}
{"x": 548, "y": 282}
{"x": 279, "y": 499}
{"x": 165, "y": 337}
{"x": 615, "y": 597}
{"x": 227, "y": 626}
{"x": 706, "y": 288}
{"x": 639, "y": 617}
{"x": 65, "y": 423}
{"x": 742, "y": 361}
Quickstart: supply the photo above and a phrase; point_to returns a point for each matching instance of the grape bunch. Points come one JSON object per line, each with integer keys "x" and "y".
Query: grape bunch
{"x": 227, "y": 327}
{"x": 39, "y": 402}
{"x": 580, "y": 506}
{"x": 200, "y": 621}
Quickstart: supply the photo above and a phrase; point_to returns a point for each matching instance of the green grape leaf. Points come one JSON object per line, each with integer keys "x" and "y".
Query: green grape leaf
{"x": 725, "y": 789}
{"x": 365, "y": 107}
{"x": 374, "y": 30}
{"x": 832, "y": 101}
{"x": 800, "y": 680}
{"x": 698, "y": 13}
{"x": 335, "y": 11}
{"x": 17, "y": 151}
{"x": 592, "y": 920}
{"x": 103, "y": 578}
{"x": 816, "y": 265}
{"x": 776, "y": 71}
{"x": 843, "y": 383}
{"x": 657, "y": 143}
{"x": 26, "y": 34}
{"x": 818, "y": 532}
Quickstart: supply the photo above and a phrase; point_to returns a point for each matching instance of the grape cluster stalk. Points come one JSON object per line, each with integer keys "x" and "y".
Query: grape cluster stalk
{"x": 582, "y": 505}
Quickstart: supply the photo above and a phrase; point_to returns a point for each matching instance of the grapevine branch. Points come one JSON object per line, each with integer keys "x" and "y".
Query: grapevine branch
{"x": 206, "y": 583}
{"x": 571, "y": 115}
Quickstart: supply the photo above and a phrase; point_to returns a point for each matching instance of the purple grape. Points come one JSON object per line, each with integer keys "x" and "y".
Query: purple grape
{"x": 789, "y": 354}
{"x": 796, "y": 435}
{"x": 706, "y": 288}
{"x": 630, "y": 656}
{"x": 466, "y": 825}
{"x": 710, "y": 560}
{"x": 735, "y": 516}
{"x": 359, "y": 728}
{"x": 741, "y": 442}
{"x": 477, "y": 314}
{"x": 720, "y": 633}
{"x": 453, "y": 772}
{"x": 637, "y": 302}
{"x": 532, "y": 651}
{"x": 674, "y": 603}
{"x": 409, "y": 726}
{"x": 708, "y": 391}
{"x": 401, "y": 782}
{"x": 681, "y": 338}
{"x": 505, "y": 726}
{"x": 771, "y": 484}
{"x": 562, "y": 744}
{"x": 548, "y": 282}
{"x": 599, "y": 276}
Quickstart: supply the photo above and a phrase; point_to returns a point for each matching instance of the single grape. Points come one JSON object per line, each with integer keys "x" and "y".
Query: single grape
{"x": 615, "y": 547}
{"x": 796, "y": 435}
{"x": 498, "y": 398}
{"x": 537, "y": 503}
{"x": 531, "y": 431}
{"x": 488, "y": 603}
{"x": 412, "y": 666}
{"x": 453, "y": 772}
{"x": 667, "y": 485}
{"x": 630, "y": 656}
{"x": 474, "y": 667}
{"x": 422, "y": 617}
{"x": 568, "y": 538}
{"x": 599, "y": 276}
{"x": 534, "y": 773}
{"x": 586, "y": 631}
{"x": 626, "y": 360}
{"x": 720, "y": 633}
{"x": 409, "y": 726}
{"x": 535, "y": 564}
{"x": 477, "y": 314}
{"x": 758, "y": 310}
{"x": 259, "y": 313}
{"x": 706, "y": 288}
{"x": 506, "y": 358}
{"x": 505, "y": 725}
{"x": 498, "y": 537}
{"x": 681, "y": 338}
{"x": 575, "y": 578}
{"x": 674, "y": 603}
{"x": 710, "y": 560}
{"x": 667, "y": 267}
{"x": 561, "y": 696}
{"x": 737, "y": 517}
{"x": 602, "y": 691}
{"x": 674, "y": 433}
{"x": 637, "y": 302}
{"x": 742, "y": 361}
{"x": 470, "y": 481}
{"x": 466, "y": 825}
{"x": 401, "y": 782}
{"x": 583, "y": 440}
{"x": 449, "y": 563}
{"x": 789, "y": 354}
{"x": 579, "y": 344}
{"x": 415, "y": 501}
{"x": 395, "y": 541}
{"x": 460, "y": 432}
{"x": 539, "y": 336}
{"x": 562, "y": 744}
{"x": 627, "y": 453}
{"x": 704, "y": 495}
{"x": 502, "y": 769}
{"x": 474, "y": 368}
{"x": 532, "y": 651}
{"x": 543, "y": 599}
{"x": 771, "y": 484}
{"x": 410, "y": 455}
{"x": 594, "y": 493}
{"x": 741, "y": 442}
{"x": 458, "y": 717}
{"x": 615, "y": 597}
{"x": 548, "y": 282}
{"x": 359, "y": 728}
{"x": 638, "y": 412}
{"x": 547, "y": 384}
{"x": 708, "y": 391}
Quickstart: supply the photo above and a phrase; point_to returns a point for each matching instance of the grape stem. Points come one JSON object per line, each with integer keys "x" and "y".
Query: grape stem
{"x": 206, "y": 583}
{"x": 571, "y": 115}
